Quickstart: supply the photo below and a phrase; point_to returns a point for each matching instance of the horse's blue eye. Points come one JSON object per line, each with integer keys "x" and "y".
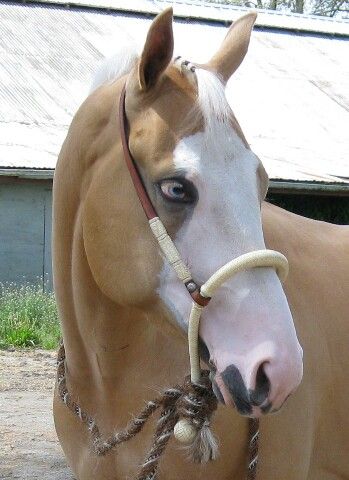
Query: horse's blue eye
{"x": 173, "y": 190}
{"x": 177, "y": 191}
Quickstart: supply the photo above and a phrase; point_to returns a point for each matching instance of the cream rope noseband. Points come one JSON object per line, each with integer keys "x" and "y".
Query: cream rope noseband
{"x": 258, "y": 258}
{"x": 184, "y": 430}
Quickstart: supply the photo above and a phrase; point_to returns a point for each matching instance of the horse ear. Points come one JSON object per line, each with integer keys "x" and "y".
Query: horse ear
{"x": 234, "y": 47}
{"x": 158, "y": 50}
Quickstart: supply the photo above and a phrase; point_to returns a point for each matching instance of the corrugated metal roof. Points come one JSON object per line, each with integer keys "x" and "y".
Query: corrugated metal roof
{"x": 291, "y": 94}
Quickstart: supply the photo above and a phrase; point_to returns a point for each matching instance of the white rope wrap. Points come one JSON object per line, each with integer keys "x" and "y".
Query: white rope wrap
{"x": 193, "y": 339}
{"x": 169, "y": 249}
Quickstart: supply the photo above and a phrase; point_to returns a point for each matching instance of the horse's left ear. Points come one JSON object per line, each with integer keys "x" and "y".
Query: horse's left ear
{"x": 234, "y": 47}
{"x": 158, "y": 50}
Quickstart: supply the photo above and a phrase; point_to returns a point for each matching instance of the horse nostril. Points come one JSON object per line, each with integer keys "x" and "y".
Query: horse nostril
{"x": 262, "y": 388}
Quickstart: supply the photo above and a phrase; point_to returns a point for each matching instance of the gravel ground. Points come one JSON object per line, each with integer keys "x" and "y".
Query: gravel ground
{"x": 29, "y": 448}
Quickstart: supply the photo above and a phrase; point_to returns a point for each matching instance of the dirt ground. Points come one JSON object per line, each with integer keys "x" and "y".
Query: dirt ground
{"x": 28, "y": 444}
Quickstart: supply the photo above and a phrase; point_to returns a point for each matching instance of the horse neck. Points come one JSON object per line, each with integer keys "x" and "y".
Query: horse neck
{"x": 108, "y": 341}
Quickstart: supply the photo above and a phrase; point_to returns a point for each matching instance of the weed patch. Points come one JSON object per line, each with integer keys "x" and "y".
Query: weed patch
{"x": 28, "y": 317}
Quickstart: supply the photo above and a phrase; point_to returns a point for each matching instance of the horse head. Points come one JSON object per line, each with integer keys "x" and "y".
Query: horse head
{"x": 207, "y": 187}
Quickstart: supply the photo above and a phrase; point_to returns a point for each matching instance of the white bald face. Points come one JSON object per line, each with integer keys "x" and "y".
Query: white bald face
{"x": 247, "y": 327}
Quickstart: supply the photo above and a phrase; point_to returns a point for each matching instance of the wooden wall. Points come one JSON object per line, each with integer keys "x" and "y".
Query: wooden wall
{"x": 25, "y": 231}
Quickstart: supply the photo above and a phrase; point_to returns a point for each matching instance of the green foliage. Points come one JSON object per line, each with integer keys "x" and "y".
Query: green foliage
{"x": 329, "y": 209}
{"x": 327, "y": 8}
{"x": 28, "y": 317}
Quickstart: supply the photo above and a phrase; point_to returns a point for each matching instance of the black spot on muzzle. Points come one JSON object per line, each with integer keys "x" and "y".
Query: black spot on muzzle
{"x": 235, "y": 384}
{"x": 244, "y": 400}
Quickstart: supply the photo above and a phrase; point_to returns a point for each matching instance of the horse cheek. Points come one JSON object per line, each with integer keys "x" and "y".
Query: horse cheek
{"x": 124, "y": 262}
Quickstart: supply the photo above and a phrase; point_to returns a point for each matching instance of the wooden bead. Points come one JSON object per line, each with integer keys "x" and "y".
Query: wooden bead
{"x": 184, "y": 431}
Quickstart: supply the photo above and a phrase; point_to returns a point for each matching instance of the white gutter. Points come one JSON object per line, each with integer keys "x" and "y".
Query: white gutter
{"x": 275, "y": 186}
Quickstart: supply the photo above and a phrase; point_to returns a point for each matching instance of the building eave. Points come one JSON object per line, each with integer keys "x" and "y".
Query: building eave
{"x": 308, "y": 188}
{"x": 27, "y": 173}
{"x": 275, "y": 186}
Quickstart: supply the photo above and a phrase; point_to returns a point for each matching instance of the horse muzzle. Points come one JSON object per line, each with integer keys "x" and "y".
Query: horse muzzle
{"x": 260, "y": 389}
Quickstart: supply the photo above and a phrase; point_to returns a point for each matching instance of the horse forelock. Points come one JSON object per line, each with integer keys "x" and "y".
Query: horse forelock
{"x": 212, "y": 100}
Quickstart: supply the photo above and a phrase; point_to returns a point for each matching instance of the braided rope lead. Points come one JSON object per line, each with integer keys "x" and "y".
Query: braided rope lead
{"x": 189, "y": 401}
{"x": 253, "y": 436}
{"x": 196, "y": 402}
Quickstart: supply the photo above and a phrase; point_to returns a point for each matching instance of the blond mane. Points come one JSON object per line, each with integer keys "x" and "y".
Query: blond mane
{"x": 112, "y": 68}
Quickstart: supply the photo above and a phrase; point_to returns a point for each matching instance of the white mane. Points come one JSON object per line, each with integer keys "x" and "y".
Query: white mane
{"x": 112, "y": 68}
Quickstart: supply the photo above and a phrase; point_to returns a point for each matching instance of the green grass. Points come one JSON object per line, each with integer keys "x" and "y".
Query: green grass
{"x": 28, "y": 317}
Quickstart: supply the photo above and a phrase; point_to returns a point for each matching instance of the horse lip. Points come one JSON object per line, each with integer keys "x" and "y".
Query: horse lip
{"x": 204, "y": 353}
{"x": 215, "y": 388}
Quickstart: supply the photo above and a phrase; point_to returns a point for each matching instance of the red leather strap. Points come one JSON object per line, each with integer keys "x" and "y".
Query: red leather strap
{"x": 139, "y": 186}
{"x": 136, "y": 178}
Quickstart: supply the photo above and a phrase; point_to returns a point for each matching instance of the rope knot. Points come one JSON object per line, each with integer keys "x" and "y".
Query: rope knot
{"x": 197, "y": 399}
{"x": 195, "y": 408}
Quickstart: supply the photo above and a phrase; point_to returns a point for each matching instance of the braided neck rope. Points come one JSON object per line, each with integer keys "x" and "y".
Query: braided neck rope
{"x": 194, "y": 402}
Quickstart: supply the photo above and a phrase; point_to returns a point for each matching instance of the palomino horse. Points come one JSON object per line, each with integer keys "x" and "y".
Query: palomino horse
{"x": 124, "y": 312}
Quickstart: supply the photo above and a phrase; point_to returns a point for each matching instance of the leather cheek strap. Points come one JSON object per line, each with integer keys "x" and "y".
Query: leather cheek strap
{"x": 143, "y": 196}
